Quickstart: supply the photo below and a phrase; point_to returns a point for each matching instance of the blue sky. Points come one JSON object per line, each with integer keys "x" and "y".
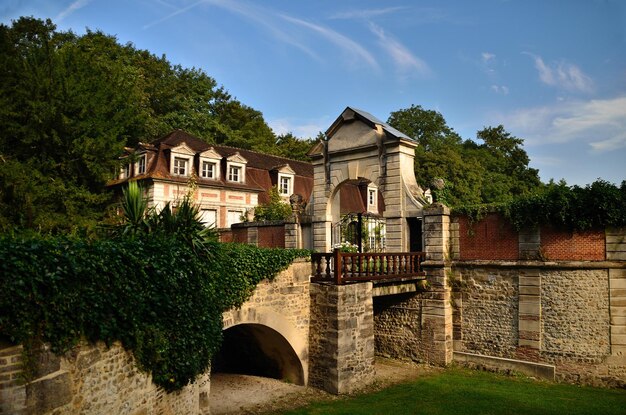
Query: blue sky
{"x": 552, "y": 72}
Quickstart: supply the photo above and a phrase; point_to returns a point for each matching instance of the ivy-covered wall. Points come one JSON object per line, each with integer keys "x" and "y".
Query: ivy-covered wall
{"x": 158, "y": 297}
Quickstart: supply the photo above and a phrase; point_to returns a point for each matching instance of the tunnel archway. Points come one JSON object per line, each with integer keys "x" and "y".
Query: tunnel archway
{"x": 258, "y": 350}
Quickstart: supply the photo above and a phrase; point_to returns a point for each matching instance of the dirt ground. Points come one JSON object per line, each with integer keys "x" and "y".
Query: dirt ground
{"x": 243, "y": 394}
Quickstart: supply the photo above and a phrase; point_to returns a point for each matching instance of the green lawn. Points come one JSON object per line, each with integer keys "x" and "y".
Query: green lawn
{"x": 458, "y": 391}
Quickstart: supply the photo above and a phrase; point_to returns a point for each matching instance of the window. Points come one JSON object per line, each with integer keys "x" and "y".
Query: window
{"x": 234, "y": 216}
{"x": 141, "y": 164}
{"x": 234, "y": 173}
{"x": 208, "y": 170}
{"x": 285, "y": 186}
{"x": 125, "y": 171}
{"x": 372, "y": 197}
{"x": 180, "y": 166}
{"x": 208, "y": 217}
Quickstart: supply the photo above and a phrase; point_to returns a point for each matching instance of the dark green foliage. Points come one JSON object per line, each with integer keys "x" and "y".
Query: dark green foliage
{"x": 275, "y": 209}
{"x": 155, "y": 294}
{"x": 68, "y": 106}
{"x": 495, "y": 171}
{"x": 597, "y": 205}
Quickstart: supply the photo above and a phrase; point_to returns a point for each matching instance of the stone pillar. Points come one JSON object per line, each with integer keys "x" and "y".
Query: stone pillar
{"x": 341, "y": 337}
{"x": 616, "y": 244}
{"x": 617, "y": 289}
{"x": 321, "y": 236}
{"x": 437, "y": 233}
{"x": 529, "y": 315}
{"x": 253, "y": 235}
{"x": 293, "y": 237}
{"x": 204, "y": 392}
{"x": 437, "y": 309}
{"x": 529, "y": 242}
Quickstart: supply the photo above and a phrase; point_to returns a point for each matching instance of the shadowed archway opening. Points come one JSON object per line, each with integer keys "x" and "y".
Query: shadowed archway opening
{"x": 255, "y": 349}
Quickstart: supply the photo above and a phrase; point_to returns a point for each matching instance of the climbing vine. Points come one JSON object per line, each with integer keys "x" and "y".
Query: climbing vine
{"x": 599, "y": 204}
{"x": 158, "y": 296}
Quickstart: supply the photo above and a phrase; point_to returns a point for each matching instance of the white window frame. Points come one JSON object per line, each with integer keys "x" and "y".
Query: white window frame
{"x": 142, "y": 161}
{"x": 124, "y": 171}
{"x": 372, "y": 198}
{"x": 178, "y": 167}
{"x": 236, "y": 163}
{"x": 235, "y": 173}
{"x": 181, "y": 152}
{"x": 212, "y": 157}
{"x": 205, "y": 223}
{"x": 208, "y": 173}
{"x": 285, "y": 185}
{"x": 229, "y": 213}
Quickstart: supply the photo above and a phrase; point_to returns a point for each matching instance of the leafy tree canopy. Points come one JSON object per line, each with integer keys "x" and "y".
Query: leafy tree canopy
{"x": 495, "y": 171}
{"x": 68, "y": 106}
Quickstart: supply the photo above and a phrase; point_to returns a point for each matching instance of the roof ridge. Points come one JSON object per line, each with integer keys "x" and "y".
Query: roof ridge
{"x": 262, "y": 154}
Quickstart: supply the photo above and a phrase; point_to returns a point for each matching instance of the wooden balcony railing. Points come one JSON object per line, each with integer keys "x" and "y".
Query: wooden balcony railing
{"x": 365, "y": 267}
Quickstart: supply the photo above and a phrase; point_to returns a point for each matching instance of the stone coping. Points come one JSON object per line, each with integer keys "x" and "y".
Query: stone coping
{"x": 540, "y": 370}
{"x": 526, "y": 264}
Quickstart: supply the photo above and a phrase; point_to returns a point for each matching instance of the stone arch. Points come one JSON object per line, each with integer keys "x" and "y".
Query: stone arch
{"x": 359, "y": 145}
{"x": 278, "y": 339}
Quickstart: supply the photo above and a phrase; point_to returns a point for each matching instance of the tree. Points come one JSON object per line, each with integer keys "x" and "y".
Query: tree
{"x": 494, "y": 171}
{"x": 274, "y": 209}
{"x": 294, "y": 148}
{"x": 69, "y": 104}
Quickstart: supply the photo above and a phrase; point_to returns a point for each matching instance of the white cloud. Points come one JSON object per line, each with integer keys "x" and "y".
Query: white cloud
{"x": 299, "y": 128}
{"x": 601, "y": 123}
{"x": 76, "y": 5}
{"x": 350, "y": 47}
{"x": 562, "y": 75}
{"x": 486, "y": 56}
{"x": 267, "y": 20}
{"x": 366, "y": 14}
{"x": 500, "y": 89}
{"x": 403, "y": 58}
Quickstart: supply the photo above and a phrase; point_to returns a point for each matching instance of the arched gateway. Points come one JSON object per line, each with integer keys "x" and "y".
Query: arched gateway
{"x": 363, "y": 151}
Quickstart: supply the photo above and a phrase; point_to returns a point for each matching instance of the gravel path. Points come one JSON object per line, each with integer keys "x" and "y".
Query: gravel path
{"x": 243, "y": 394}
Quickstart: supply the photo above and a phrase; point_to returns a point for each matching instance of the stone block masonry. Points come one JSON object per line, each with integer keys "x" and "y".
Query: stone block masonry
{"x": 92, "y": 379}
{"x": 341, "y": 340}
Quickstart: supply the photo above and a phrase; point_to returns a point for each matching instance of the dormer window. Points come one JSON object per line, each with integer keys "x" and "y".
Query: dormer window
{"x": 141, "y": 164}
{"x": 234, "y": 173}
{"x": 208, "y": 170}
{"x": 180, "y": 166}
{"x": 236, "y": 168}
{"x": 285, "y": 186}
{"x": 285, "y": 179}
{"x": 209, "y": 164}
{"x": 125, "y": 171}
{"x": 181, "y": 160}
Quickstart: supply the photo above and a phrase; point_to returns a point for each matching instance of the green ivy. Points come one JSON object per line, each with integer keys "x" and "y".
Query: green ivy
{"x": 156, "y": 295}
{"x": 596, "y": 205}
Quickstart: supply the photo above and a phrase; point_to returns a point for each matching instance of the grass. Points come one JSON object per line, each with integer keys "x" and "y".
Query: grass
{"x": 459, "y": 391}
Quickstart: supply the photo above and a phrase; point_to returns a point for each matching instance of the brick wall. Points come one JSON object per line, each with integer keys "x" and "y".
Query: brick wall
{"x": 572, "y": 246}
{"x": 239, "y": 235}
{"x": 489, "y": 238}
{"x": 272, "y": 236}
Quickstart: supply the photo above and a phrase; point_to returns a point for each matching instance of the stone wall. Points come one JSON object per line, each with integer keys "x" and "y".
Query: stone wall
{"x": 559, "y": 314}
{"x": 92, "y": 379}
{"x": 283, "y": 305}
{"x": 341, "y": 337}
{"x": 399, "y": 328}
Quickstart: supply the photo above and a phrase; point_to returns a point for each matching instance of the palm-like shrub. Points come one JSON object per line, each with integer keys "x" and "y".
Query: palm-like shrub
{"x": 182, "y": 221}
